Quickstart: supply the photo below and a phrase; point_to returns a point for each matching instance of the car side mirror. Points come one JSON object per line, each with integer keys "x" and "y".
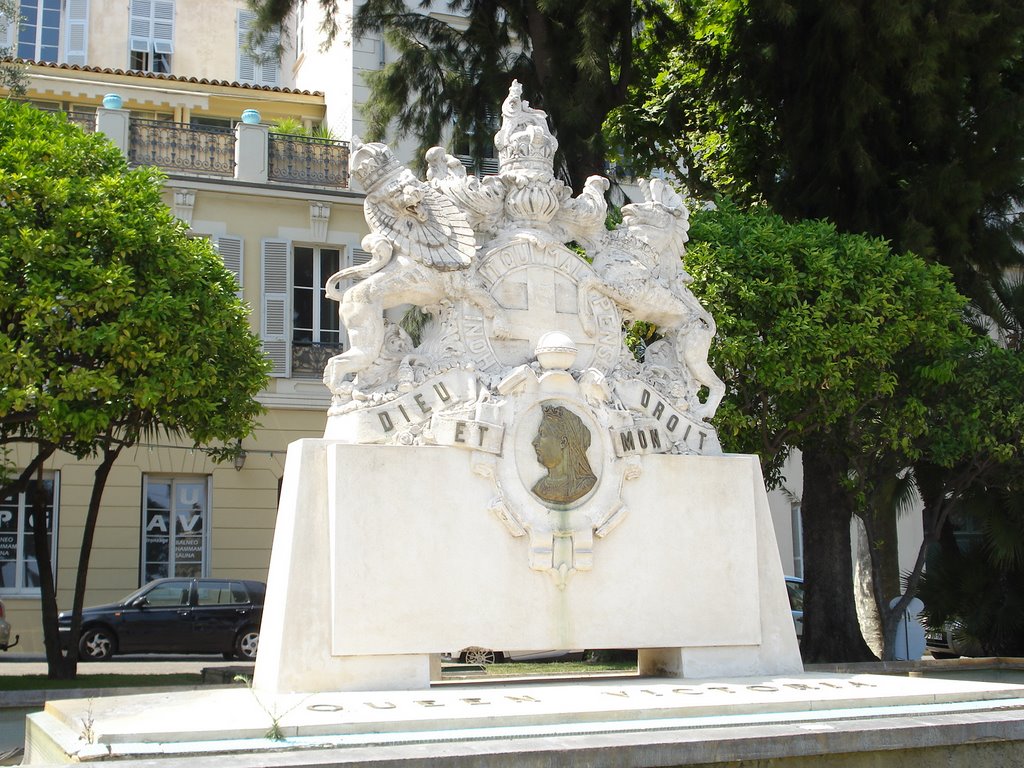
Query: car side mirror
{"x": 140, "y": 602}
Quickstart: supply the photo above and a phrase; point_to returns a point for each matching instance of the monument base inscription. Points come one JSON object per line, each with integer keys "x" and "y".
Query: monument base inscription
{"x": 809, "y": 718}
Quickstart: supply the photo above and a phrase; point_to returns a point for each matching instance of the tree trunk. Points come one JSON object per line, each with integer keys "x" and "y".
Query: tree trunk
{"x": 56, "y": 668}
{"x": 85, "y": 552}
{"x": 881, "y": 539}
{"x": 831, "y": 630}
{"x": 865, "y": 588}
{"x": 563, "y": 91}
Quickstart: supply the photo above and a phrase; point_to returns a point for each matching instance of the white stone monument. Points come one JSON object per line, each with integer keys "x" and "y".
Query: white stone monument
{"x": 517, "y": 479}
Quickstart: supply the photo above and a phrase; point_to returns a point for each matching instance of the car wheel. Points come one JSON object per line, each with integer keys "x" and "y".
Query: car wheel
{"x": 247, "y": 643}
{"x": 478, "y": 656}
{"x": 97, "y": 644}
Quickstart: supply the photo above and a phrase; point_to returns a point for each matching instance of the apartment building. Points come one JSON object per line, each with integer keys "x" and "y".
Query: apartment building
{"x": 169, "y": 82}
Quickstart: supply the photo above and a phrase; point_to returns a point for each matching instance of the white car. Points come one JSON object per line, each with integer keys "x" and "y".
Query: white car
{"x": 5, "y": 630}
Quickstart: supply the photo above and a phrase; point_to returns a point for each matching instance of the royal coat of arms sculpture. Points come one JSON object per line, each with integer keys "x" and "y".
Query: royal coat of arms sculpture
{"x": 523, "y": 361}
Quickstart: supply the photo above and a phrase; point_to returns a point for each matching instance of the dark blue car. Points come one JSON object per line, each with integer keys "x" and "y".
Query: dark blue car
{"x": 174, "y": 616}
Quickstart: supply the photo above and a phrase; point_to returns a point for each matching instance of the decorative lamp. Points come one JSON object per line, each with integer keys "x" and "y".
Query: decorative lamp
{"x": 240, "y": 458}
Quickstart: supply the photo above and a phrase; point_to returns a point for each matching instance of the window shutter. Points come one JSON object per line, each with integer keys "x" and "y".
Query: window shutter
{"x": 274, "y": 323}
{"x": 230, "y": 249}
{"x": 151, "y": 28}
{"x": 263, "y": 67}
{"x": 269, "y": 60}
{"x": 246, "y": 62}
{"x": 140, "y": 28}
{"x": 163, "y": 26}
{"x": 489, "y": 166}
{"x": 359, "y": 257}
{"x": 77, "y": 30}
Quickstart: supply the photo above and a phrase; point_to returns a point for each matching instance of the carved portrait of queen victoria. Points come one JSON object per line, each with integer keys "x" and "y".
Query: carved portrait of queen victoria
{"x": 561, "y": 446}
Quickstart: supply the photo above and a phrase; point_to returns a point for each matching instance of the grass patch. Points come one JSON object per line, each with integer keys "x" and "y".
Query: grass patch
{"x": 556, "y": 668}
{"x": 43, "y": 683}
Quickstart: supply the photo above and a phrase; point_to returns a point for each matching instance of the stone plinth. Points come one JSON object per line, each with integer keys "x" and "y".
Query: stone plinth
{"x": 605, "y": 722}
{"x": 385, "y": 555}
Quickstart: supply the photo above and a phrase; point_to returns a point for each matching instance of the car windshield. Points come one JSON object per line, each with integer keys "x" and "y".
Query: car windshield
{"x": 137, "y": 593}
{"x": 167, "y": 593}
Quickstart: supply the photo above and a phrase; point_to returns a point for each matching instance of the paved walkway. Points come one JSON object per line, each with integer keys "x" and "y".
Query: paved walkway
{"x": 141, "y": 664}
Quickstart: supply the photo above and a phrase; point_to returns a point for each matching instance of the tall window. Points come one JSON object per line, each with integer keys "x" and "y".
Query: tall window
{"x": 314, "y": 316}
{"x": 299, "y": 325}
{"x": 151, "y": 35}
{"x": 19, "y": 570}
{"x": 39, "y": 33}
{"x": 175, "y": 527}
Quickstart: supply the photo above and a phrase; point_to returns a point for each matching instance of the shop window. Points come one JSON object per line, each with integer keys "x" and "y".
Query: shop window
{"x": 19, "y": 570}
{"x": 175, "y": 527}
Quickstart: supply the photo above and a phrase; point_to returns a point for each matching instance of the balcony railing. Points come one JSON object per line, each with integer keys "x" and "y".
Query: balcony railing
{"x": 182, "y": 147}
{"x": 248, "y": 152}
{"x": 309, "y": 360}
{"x": 307, "y": 160}
{"x": 84, "y": 120}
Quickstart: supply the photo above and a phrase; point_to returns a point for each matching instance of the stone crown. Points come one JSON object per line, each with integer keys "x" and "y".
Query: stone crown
{"x": 524, "y": 142}
{"x": 372, "y": 163}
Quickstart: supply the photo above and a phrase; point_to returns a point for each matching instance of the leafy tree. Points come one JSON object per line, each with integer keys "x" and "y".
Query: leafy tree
{"x": 973, "y": 476}
{"x": 114, "y": 324}
{"x": 971, "y": 447}
{"x": 574, "y": 58}
{"x": 823, "y": 340}
{"x": 978, "y": 587}
{"x": 900, "y": 120}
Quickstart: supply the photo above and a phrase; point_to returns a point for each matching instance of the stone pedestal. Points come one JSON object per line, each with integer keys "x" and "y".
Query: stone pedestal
{"x": 386, "y": 555}
{"x": 251, "y": 148}
{"x": 114, "y": 123}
